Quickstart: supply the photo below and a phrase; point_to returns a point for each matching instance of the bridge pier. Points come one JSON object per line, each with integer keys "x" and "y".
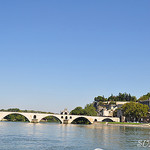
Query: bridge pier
{"x": 65, "y": 122}
{"x": 34, "y": 121}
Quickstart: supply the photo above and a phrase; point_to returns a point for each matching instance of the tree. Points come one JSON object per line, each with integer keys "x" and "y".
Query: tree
{"x": 145, "y": 97}
{"x": 16, "y": 117}
{"x": 14, "y": 110}
{"x": 90, "y": 110}
{"x": 134, "y": 111}
{"x": 100, "y": 103}
{"x": 77, "y": 111}
{"x": 112, "y": 98}
{"x": 133, "y": 99}
{"x": 100, "y": 98}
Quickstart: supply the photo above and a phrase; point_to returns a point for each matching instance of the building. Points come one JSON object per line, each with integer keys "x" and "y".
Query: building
{"x": 110, "y": 108}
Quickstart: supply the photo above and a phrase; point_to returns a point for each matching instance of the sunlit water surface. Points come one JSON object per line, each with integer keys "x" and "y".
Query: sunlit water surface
{"x": 50, "y": 136}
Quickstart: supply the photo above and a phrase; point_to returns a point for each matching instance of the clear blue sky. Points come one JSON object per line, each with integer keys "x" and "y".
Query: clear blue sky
{"x": 58, "y": 54}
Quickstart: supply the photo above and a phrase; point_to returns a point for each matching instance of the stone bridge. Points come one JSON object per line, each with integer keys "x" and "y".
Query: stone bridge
{"x": 63, "y": 118}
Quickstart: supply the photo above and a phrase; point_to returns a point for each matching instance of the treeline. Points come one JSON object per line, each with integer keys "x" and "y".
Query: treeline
{"x": 121, "y": 97}
{"x": 28, "y": 111}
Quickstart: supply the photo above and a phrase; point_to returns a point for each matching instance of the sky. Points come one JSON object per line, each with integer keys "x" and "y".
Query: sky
{"x": 61, "y": 54}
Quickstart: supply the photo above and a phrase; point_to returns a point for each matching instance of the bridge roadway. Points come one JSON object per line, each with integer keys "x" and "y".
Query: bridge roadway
{"x": 64, "y": 119}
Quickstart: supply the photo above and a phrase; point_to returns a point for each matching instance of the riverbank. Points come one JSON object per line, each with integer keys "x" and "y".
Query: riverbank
{"x": 145, "y": 125}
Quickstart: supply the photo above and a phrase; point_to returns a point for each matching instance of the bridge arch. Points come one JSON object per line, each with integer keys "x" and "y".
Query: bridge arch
{"x": 83, "y": 119}
{"x": 16, "y": 113}
{"x": 107, "y": 120}
{"x": 51, "y": 116}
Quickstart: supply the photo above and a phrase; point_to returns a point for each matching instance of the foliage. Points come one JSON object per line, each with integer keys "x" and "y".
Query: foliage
{"x": 100, "y": 98}
{"x": 16, "y": 117}
{"x": 122, "y": 97}
{"x": 112, "y": 102}
{"x": 100, "y": 103}
{"x": 14, "y": 110}
{"x": 145, "y": 97}
{"x": 123, "y": 123}
{"x": 89, "y": 110}
{"x": 119, "y": 97}
{"x": 50, "y": 119}
{"x": 81, "y": 120}
{"x": 28, "y": 111}
{"x": 77, "y": 111}
{"x": 112, "y": 98}
{"x": 134, "y": 111}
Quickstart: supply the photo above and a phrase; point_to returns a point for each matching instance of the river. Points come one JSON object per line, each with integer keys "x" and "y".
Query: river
{"x": 53, "y": 136}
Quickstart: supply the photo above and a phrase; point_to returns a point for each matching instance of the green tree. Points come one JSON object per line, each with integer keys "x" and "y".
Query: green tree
{"x": 90, "y": 110}
{"x": 100, "y": 103}
{"x": 134, "y": 111}
{"x": 16, "y": 117}
{"x": 145, "y": 97}
{"x": 14, "y": 110}
{"x": 100, "y": 98}
{"x": 112, "y": 98}
{"x": 133, "y": 99}
{"x": 77, "y": 111}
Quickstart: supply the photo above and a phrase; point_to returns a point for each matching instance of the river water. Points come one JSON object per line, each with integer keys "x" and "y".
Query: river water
{"x": 51, "y": 136}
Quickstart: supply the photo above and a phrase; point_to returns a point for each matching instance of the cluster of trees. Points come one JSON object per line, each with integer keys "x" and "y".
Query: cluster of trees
{"x": 16, "y": 117}
{"x": 119, "y": 97}
{"x": 89, "y": 110}
{"x": 134, "y": 111}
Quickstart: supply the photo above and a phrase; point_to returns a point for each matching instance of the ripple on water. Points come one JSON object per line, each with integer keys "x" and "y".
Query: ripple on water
{"x": 47, "y": 136}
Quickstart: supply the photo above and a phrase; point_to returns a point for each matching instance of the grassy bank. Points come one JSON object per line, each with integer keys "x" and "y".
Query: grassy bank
{"x": 123, "y": 123}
